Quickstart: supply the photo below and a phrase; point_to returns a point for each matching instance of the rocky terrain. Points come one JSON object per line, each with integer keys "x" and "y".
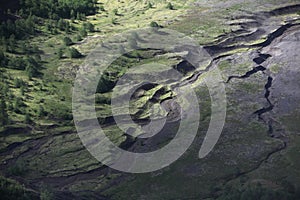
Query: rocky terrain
{"x": 255, "y": 45}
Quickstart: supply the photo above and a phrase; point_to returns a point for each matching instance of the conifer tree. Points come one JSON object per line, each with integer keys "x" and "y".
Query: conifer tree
{"x": 3, "y": 113}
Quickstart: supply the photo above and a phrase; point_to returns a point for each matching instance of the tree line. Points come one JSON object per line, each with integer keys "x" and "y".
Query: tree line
{"x": 56, "y": 9}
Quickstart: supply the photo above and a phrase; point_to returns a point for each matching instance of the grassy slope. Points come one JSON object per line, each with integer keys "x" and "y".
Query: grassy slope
{"x": 49, "y": 159}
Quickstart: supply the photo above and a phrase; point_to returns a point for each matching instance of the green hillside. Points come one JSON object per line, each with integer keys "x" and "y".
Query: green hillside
{"x": 254, "y": 44}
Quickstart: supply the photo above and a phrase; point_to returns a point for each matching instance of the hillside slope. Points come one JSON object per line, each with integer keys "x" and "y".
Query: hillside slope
{"x": 253, "y": 44}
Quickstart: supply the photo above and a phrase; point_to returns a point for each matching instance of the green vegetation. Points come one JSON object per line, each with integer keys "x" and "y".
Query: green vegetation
{"x": 257, "y": 191}
{"x": 3, "y": 113}
{"x": 170, "y": 6}
{"x": 67, "y": 41}
{"x": 35, "y": 47}
{"x": 16, "y": 30}
{"x": 10, "y": 189}
{"x": 39, "y": 55}
{"x": 46, "y": 193}
{"x": 74, "y": 53}
{"x": 114, "y": 21}
{"x": 149, "y": 5}
{"x": 58, "y": 9}
{"x": 154, "y": 24}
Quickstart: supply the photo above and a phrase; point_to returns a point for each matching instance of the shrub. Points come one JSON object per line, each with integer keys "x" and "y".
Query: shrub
{"x": 154, "y": 24}
{"x": 100, "y": 99}
{"x": 41, "y": 112}
{"x": 46, "y": 193}
{"x": 67, "y": 41}
{"x": 18, "y": 169}
{"x": 74, "y": 53}
{"x": 114, "y": 21}
{"x": 3, "y": 59}
{"x": 105, "y": 83}
{"x": 78, "y": 38}
{"x": 27, "y": 118}
{"x": 60, "y": 53}
{"x": 16, "y": 63}
{"x": 18, "y": 82}
{"x": 10, "y": 189}
{"x": 170, "y": 6}
{"x": 101, "y": 8}
{"x": 150, "y": 5}
{"x": 18, "y": 105}
{"x": 115, "y": 11}
{"x": 3, "y": 113}
{"x": 83, "y": 33}
{"x": 89, "y": 26}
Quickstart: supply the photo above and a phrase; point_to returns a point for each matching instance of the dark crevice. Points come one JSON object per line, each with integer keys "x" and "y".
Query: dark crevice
{"x": 261, "y": 58}
{"x": 184, "y": 67}
{"x": 285, "y": 10}
{"x": 225, "y": 46}
{"x": 220, "y": 48}
{"x": 271, "y": 37}
{"x": 270, "y": 128}
{"x": 242, "y": 38}
{"x": 268, "y": 121}
{"x": 194, "y": 77}
{"x": 225, "y": 42}
{"x": 278, "y": 149}
{"x": 267, "y": 87}
{"x": 129, "y": 142}
{"x": 248, "y": 74}
{"x": 261, "y": 111}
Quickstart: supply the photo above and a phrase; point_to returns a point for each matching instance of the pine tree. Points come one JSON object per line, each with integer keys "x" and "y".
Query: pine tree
{"x": 114, "y": 21}
{"x": 82, "y": 16}
{"x": 78, "y": 16}
{"x": 88, "y": 26}
{"x": 72, "y": 14}
{"x": 3, "y": 113}
{"x": 12, "y": 43}
{"x": 31, "y": 71}
{"x": 67, "y": 41}
{"x": 6, "y": 90}
{"x": 154, "y": 24}
{"x": 149, "y": 5}
{"x": 74, "y": 53}
{"x": 23, "y": 47}
{"x": 61, "y": 24}
{"x": 83, "y": 33}
{"x": 48, "y": 26}
{"x": 41, "y": 111}
{"x": 3, "y": 59}
{"x": 27, "y": 118}
{"x": 101, "y": 8}
{"x": 18, "y": 104}
{"x": 78, "y": 38}
{"x": 60, "y": 53}
{"x": 32, "y": 67}
{"x": 170, "y": 6}
{"x": 115, "y": 11}
{"x": 67, "y": 27}
{"x": 22, "y": 90}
